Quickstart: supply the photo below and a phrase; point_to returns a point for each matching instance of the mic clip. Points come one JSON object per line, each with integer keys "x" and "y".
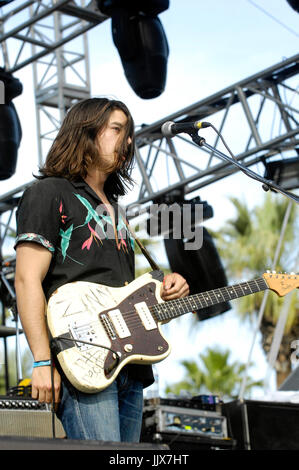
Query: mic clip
{"x": 197, "y": 138}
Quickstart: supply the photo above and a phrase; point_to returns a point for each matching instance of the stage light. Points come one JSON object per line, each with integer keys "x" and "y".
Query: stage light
{"x": 171, "y": 210}
{"x": 202, "y": 269}
{"x": 10, "y": 127}
{"x": 294, "y": 4}
{"x": 149, "y": 7}
{"x": 140, "y": 39}
{"x": 200, "y": 264}
{"x": 285, "y": 172}
{"x": 5, "y": 2}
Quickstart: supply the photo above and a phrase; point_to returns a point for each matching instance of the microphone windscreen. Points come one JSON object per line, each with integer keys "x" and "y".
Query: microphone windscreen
{"x": 166, "y": 129}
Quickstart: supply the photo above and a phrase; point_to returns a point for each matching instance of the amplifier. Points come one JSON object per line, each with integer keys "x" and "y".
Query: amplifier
{"x": 27, "y": 417}
{"x": 263, "y": 425}
{"x": 184, "y": 421}
{"x": 198, "y": 402}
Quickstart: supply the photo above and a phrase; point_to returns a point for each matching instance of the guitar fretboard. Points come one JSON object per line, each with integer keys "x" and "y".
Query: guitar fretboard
{"x": 178, "y": 307}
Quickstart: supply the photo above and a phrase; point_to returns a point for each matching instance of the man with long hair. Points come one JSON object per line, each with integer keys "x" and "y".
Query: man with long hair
{"x": 59, "y": 241}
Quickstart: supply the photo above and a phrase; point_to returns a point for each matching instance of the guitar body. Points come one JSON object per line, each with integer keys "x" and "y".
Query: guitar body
{"x": 117, "y": 318}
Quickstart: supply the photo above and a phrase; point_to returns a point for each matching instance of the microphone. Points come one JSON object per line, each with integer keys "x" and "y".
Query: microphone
{"x": 170, "y": 129}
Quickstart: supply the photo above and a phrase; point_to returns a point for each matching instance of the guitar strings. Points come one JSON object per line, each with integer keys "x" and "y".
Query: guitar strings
{"x": 133, "y": 320}
{"x": 206, "y": 297}
{"x": 136, "y": 323}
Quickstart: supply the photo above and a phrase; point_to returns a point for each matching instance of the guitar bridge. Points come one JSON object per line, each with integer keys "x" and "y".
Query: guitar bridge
{"x": 108, "y": 326}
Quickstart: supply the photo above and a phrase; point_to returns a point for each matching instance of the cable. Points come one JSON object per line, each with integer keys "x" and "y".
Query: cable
{"x": 53, "y": 413}
{"x": 273, "y": 18}
{"x": 246, "y": 171}
{"x": 266, "y": 184}
{"x": 91, "y": 344}
{"x": 109, "y": 369}
{"x": 223, "y": 141}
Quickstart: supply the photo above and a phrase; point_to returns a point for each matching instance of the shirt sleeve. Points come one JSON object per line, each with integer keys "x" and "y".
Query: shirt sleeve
{"x": 38, "y": 216}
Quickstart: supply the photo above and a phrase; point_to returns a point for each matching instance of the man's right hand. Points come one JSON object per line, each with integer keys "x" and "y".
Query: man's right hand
{"x": 42, "y": 384}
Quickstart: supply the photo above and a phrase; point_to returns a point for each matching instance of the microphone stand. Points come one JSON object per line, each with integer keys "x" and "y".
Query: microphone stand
{"x": 266, "y": 184}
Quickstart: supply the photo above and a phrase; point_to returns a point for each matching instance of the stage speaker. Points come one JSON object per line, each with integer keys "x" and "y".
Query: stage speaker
{"x": 202, "y": 269}
{"x": 25, "y": 417}
{"x": 261, "y": 425}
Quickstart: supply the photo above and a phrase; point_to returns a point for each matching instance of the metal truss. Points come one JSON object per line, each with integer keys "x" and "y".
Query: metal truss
{"x": 32, "y": 23}
{"x": 258, "y": 117}
{"x": 51, "y": 35}
{"x": 258, "y": 114}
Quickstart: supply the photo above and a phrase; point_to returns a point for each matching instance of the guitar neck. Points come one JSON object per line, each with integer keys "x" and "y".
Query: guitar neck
{"x": 178, "y": 307}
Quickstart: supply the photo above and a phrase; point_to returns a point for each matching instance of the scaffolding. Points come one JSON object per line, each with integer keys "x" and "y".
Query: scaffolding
{"x": 51, "y": 35}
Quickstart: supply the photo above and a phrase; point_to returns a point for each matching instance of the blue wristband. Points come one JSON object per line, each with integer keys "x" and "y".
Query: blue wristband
{"x": 42, "y": 363}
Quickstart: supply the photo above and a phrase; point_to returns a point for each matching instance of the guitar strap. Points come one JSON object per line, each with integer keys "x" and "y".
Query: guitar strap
{"x": 153, "y": 264}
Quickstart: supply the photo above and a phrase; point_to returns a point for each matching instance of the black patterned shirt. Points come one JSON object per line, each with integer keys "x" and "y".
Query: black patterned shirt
{"x": 70, "y": 220}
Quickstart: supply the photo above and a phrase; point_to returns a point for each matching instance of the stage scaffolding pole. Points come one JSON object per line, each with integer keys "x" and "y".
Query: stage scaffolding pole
{"x": 264, "y": 301}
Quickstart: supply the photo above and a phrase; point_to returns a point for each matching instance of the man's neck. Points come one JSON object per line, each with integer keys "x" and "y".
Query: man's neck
{"x": 96, "y": 180}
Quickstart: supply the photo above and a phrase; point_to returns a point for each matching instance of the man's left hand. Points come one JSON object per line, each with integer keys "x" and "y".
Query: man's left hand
{"x": 174, "y": 286}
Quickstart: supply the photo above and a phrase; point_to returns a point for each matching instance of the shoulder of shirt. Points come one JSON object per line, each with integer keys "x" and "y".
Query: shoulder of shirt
{"x": 50, "y": 183}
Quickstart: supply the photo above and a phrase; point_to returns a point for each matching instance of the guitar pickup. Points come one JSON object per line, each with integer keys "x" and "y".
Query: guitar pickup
{"x": 145, "y": 316}
{"x": 119, "y": 323}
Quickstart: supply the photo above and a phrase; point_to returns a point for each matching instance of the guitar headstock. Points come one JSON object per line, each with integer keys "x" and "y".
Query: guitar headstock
{"x": 281, "y": 283}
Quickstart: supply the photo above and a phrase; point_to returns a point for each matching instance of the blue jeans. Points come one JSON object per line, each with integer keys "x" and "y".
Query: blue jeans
{"x": 114, "y": 414}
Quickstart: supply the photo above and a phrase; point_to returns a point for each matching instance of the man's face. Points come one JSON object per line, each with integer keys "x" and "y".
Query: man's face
{"x": 111, "y": 136}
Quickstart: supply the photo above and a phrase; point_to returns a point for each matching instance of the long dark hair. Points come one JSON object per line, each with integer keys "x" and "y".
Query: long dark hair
{"x": 74, "y": 150}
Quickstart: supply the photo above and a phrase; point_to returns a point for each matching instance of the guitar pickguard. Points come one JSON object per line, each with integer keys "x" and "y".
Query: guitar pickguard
{"x": 141, "y": 344}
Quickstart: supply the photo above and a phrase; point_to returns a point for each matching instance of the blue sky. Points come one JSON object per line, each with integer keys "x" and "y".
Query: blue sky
{"x": 212, "y": 45}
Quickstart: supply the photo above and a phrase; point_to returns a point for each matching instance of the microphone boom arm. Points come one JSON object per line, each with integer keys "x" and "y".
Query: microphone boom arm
{"x": 266, "y": 184}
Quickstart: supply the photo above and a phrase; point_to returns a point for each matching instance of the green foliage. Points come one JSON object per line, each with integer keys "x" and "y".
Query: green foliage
{"x": 248, "y": 241}
{"x": 214, "y": 374}
{"x": 26, "y": 364}
{"x": 247, "y": 244}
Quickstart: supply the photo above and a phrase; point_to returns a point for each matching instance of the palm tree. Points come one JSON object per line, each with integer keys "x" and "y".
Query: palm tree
{"x": 247, "y": 244}
{"x": 213, "y": 375}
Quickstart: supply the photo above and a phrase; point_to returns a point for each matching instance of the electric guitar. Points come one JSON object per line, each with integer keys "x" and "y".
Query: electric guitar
{"x": 96, "y": 330}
